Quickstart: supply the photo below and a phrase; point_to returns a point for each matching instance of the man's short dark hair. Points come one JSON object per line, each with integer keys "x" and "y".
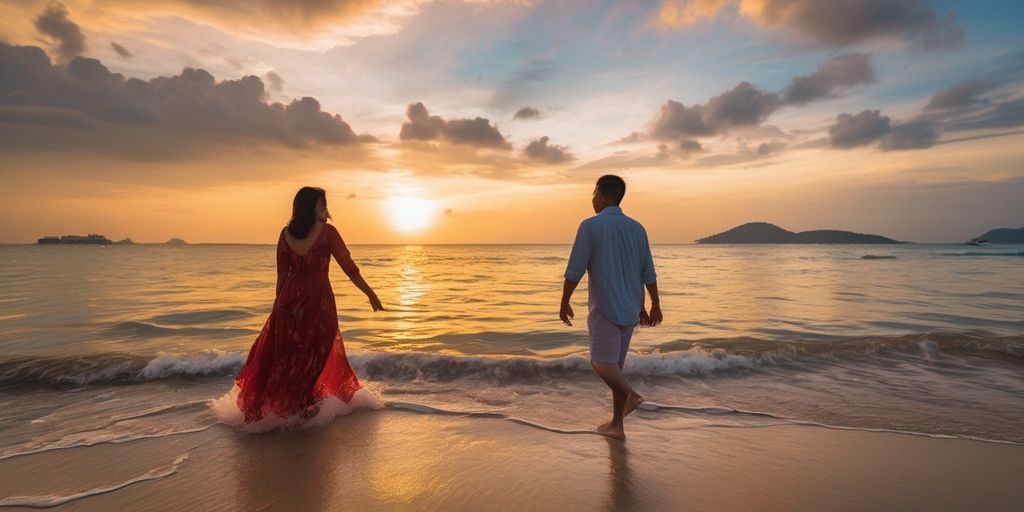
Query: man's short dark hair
{"x": 612, "y": 187}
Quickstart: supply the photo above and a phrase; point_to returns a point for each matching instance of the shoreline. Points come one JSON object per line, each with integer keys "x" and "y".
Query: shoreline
{"x": 405, "y": 459}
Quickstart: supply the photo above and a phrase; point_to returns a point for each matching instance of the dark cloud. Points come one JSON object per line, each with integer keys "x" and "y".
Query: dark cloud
{"x": 690, "y": 146}
{"x": 865, "y": 128}
{"x": 842, "y": 22}
{"x": 527, "y": 113}
{"x": 1001, "y": 115}
{"x": 676, "y": 121}
{"x": 632, "y": 138}
{"x": 541, "y": 151}
{"x": 67, "y": 37}
{"x": 743, "y": 105}
{"x": 871, "y": 126}
{"x": 121, "y": 50}
{"x": 192, "y": 105}
{"x": 918, "y": 134}
{"x": 477, "y": 132}
{"x": 274, "y": 81}
{"x": 770, "y": 148}
{"x": 746, "y": 106}
{"x": 845, "y": 70}
{"x": 964, "y": 94}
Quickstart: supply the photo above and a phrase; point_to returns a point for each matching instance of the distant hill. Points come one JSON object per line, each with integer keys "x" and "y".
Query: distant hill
{"x": 1003, "y": 236}
{"x": 176, "y": 241}
{"x": 765, "y": 233}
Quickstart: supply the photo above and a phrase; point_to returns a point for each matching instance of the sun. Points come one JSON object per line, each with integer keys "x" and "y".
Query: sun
{"x": 411, "y": 214}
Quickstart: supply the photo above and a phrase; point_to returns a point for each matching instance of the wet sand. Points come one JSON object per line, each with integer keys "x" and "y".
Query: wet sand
{"x": 402, "y": 460}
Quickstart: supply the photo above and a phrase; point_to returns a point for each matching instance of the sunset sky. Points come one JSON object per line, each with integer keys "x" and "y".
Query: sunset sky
{"x": 488, "y": 121}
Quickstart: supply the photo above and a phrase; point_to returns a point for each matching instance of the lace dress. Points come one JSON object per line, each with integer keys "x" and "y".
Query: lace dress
{"x": 299, "y": 358}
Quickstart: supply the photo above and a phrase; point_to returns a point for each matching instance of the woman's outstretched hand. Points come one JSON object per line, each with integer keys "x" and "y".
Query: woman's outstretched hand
{"x": 375, "y": 303}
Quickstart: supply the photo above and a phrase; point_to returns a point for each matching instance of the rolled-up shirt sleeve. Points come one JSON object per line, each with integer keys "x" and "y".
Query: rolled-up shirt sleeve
{"x": 579, "y": 258}
{"x": 341, "y": 252}
{"x": 648, "y": 274}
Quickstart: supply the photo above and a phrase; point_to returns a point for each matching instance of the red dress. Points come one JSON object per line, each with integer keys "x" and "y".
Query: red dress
{"x": 299, "y": 358}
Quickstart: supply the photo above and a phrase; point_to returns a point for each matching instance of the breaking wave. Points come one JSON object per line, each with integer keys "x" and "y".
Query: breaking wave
{"x": 674, "y": 359}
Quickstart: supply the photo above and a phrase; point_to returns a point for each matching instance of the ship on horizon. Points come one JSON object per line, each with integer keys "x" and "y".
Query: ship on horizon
{"x": 90, "y": 239}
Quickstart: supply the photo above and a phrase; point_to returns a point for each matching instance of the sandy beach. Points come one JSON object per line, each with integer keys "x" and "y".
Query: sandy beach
{"x": 395, "y": 459}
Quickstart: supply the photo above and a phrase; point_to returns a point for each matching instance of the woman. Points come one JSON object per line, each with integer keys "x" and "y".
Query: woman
{"x": 299, "y": 358}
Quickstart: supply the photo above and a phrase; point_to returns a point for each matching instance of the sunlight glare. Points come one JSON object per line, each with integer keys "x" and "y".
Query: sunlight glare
{"x": 411, "y": 214}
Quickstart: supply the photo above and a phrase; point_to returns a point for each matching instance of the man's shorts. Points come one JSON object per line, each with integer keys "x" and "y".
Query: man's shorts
{"x": 608, "y": 342}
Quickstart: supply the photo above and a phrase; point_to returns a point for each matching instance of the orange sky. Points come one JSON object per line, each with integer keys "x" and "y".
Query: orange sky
{"x": 929, "y": 149}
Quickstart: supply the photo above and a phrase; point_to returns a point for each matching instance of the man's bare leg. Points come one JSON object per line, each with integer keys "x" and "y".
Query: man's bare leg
{"x": 611, "y": 374}
{"x": 633, "y": 400}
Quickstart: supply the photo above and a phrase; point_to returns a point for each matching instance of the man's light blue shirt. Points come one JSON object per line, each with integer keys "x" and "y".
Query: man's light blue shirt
{"x": 614, "y": 252}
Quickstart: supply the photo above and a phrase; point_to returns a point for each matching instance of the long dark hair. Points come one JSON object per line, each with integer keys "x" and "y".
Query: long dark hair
{"x": 304, "y": 210}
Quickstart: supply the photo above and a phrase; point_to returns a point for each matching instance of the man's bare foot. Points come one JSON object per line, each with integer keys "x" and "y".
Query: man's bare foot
{"x": 614, "y": 432}
{"x": 632, "y": 402}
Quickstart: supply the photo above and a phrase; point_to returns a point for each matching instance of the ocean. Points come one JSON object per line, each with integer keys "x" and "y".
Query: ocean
{"x": 112, "y": 344}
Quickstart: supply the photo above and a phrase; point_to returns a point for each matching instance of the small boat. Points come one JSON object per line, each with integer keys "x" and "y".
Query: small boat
{"x": 977, "y": 241}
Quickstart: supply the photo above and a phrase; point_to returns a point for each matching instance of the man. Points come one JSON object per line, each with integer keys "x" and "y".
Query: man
{"x": 613, "y": 250}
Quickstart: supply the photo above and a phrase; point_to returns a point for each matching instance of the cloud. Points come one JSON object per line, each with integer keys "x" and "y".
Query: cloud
{"x": 540, "y": 150}
{"x": 918, "y": 134}
{"x": 121, "y": 50}
{"x": 770, "y": 148}
{"x": 852, "y": 131}
{"x": 746, "y": 106}
{"x": 1004, "y": 114}
{"x": 476, "y": 132}
{"x": 67, "y": 37}
{"x": 842, "y": 71}
{"x": 675, "y": 121}
{"x": 690, "y": 146}
{"x": 526, "y": 113}
{"x": 302, "y": 24}
{"x": 832, "y": 23}
{"x": 274, "y": 81}
{"x": 964, "y": 94}
{"x": 743, "y": 105}
{"x": 870, "y": 126}
{"x": 192, "y": 108}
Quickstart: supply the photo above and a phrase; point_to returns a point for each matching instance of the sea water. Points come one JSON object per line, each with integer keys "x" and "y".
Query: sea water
{"x": 116, "y": 343}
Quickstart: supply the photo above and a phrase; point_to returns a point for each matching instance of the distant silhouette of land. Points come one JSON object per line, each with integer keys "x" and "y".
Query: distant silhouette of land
{"x": 90, "y": 239}
{"x": 1002, "y": 236}
{"x": 765, "y": 233}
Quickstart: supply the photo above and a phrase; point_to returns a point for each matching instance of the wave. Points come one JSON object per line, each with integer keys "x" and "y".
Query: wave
{"x": 877, "y": 257}
{"x": 984, "y": 253}
{"x": 147, "y": 330}
{"x": 770, "y": 420}
{"x": 680, "y": 358}
{"x": 227, "y": 412}
{"x": 110, "y": 368}
{"x": 56, "y": 500}
{"x": 201, "y": 316}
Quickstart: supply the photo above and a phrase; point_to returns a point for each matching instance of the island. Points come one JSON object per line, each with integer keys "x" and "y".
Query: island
{"x": 90, "y": 239}
{"x": 1001, "y": 236}
{"x": 765, "y": 233}
{"x": 125, "y": 241}
{"x": 176, "y": 241}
